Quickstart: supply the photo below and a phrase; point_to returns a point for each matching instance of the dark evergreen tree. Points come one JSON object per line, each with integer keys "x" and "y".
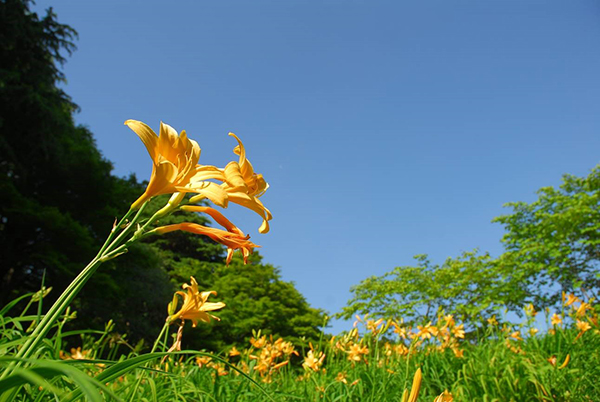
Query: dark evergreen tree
{"x": 58, "y": 200}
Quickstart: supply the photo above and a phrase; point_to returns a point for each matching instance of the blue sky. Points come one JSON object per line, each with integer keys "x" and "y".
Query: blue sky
{"x": 386, "y": 129}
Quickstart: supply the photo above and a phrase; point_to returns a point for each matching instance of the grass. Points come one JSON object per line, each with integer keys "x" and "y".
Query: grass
{"x": 493, "y": 363}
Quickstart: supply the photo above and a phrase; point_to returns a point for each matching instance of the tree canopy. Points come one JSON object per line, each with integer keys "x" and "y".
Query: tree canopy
{"x": 59, "y": 198}
{"x": 551, "y": 246}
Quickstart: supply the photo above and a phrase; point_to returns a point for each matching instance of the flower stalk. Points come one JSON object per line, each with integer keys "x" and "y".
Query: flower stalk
{"x": 176, "y": 171}
{"x": 111, "y": 249}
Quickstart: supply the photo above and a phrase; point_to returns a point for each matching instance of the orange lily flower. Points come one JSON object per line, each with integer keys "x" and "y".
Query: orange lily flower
{"x": 233, "y": 240}
{"x": 195, "y": 306}
{"x": 175, "y": 163}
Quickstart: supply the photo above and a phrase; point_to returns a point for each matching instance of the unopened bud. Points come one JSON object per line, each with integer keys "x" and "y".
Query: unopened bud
{"x": 173, "y": 305}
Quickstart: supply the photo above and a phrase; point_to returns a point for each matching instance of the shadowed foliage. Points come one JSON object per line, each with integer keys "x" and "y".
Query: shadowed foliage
{"x": 58, "y": 200}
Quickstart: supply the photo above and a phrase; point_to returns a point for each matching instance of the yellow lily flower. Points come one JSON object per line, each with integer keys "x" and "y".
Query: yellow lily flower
{"x": 444, "y": 397}
{"x": 195, "y": 306}
{"x": 583, "y": 326}
{"x": 175, "y": 163}
{"x": 516, "y": 335}
{"x": 356, "y": 352}
{"x": 426, "y": 331}
{"x": 581, "y": 310}
{"x": 242, "y": 186}
{"x": 556, "y": 319}
{"x": 234, "y": 352}
{"x": 571, "y": 298}
{"x": 313, "y": 361}
{"x": 459, "y": 331}
{"x": 341, "y": 377}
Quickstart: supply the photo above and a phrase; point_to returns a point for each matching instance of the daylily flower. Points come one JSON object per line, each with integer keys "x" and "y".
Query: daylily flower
{"x": 571, "y": 298}
{"x": 76, "y": 354}
{"x": 583, "y": 326}
{"x": 444, "y": 397}
{"x": 516, "y": 335}
{"x": 581, "y": 310}
{"x": 459, "y": 331}
{"x": 242, "y": 186}
{"x": 203, "y": 360}
{"x": 426, "y": 331}
{"x": 356, "y": 352}
{"x": 530, "y": 310}
{"x": 313, "y": 361}
{"x": 341, "y": 377}
{"x": 195, "y": 306}
{"x": 399, "y": 329}
{"x": 373, "y": 325}
{"x": 458, "y": 352}
{"x": 555, "y": 319}
{"x": 449, "y": 321}
{"x": 233, "y": 239}
{"x": 414, "y": 390}
{"x": 175, "y": 164}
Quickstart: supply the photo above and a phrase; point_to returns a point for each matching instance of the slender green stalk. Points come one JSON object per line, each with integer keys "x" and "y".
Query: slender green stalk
{"x": 107, "y": 251}
{"x": 139, "y": 380}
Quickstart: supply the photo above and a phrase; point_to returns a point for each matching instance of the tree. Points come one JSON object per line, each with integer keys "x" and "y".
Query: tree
{"x": 51, "y": 217}
{"x": 553, "y": 243}
{"x": 255, "y": 294}
{"x": 468, "y": 287}
{"x": 58, "y": 200}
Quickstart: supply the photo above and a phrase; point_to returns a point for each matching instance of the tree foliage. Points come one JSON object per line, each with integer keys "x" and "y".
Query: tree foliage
{"x": 469, "y": 287}
{"x": 58, "y": 200}
{"x": 57, "y": 196}
{"x": 255, "y": 295}
{"x": 551, "y": 245}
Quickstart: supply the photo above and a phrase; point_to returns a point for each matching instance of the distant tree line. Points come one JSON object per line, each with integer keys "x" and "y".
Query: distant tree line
{"x": 551, "y": 246}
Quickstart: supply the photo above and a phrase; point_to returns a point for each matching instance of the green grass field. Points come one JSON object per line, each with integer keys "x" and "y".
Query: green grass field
{"x": 375, "y": 362}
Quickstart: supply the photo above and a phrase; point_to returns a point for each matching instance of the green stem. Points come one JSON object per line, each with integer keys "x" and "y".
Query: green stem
{"x": 139, "y": 380}
{"x": 44, "y": 326}
{"x": 162, "y": 332}
{"x": 114, "y": 231}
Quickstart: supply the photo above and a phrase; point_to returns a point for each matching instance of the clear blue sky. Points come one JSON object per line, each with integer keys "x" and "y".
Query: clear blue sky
{"x": 386, "y": 129}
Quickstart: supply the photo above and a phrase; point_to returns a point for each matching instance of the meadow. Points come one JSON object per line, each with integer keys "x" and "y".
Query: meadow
{"x": 175, "y": 303}
{"x": 376, "y": 361}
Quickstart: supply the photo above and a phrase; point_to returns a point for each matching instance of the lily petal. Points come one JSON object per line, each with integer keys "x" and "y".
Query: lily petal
{"x": 146, "y": 134}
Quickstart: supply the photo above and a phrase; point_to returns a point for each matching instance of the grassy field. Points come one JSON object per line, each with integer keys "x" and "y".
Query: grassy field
{"x": 376, "y": 361}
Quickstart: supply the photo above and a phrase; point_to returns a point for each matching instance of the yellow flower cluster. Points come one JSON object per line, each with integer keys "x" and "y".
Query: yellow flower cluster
{"x": 175, "y": 170}
{"x": 582, "y": 313}
{"x": 313, "y": 360}
{"x": 270, "y": 355}
{"x": 267, "y": 354}
{"x": 76, "y": 354}
{"x": 351, "y": 345}
{"x": 207, "y": 361}
{"x": 445, "y": 334}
